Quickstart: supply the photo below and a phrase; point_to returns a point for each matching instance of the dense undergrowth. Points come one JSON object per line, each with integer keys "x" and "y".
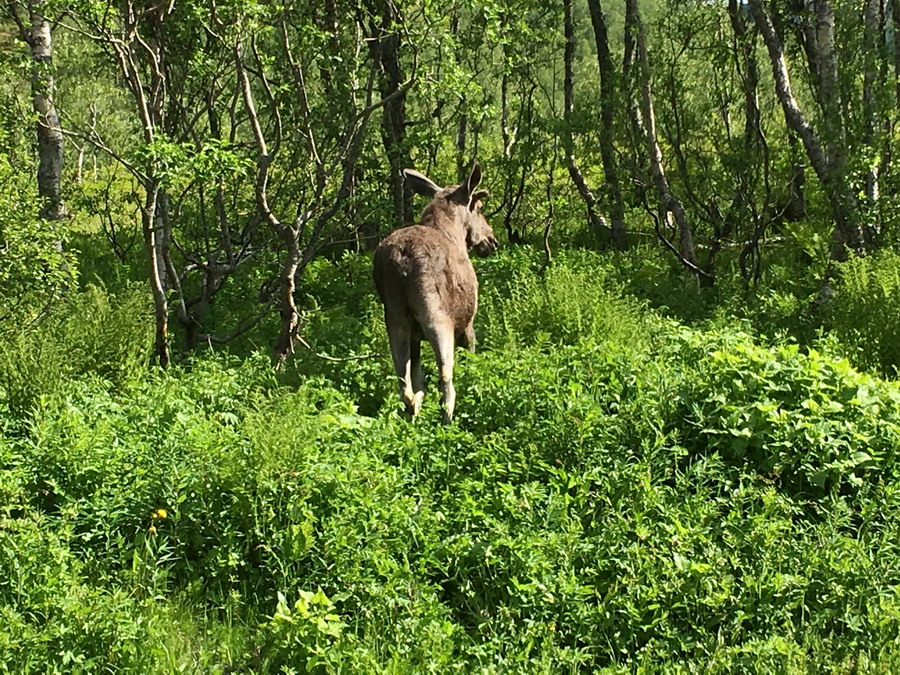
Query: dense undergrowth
{"x": 641, "y": 475}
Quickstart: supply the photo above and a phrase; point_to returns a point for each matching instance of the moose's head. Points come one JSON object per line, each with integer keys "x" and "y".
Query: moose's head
{"x": 457, "y": 208}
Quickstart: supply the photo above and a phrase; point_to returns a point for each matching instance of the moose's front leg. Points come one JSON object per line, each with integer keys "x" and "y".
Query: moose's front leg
{"x": 444, "y": 344}
{"x": 418, "y": 376}
{"x": 467, "y": 339}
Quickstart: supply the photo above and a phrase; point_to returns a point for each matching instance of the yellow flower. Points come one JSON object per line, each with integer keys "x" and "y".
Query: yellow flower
{"x": 152, "y": 529}
{"x": 162, "y": 513}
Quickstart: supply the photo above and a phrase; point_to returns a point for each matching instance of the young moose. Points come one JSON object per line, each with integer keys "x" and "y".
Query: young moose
{"x": 427, "y": 283}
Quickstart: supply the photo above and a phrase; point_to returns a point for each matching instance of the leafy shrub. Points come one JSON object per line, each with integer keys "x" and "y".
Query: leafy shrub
{"x": 52, "y": 621}
{"x": 805, "y": 418}
{"x": 34, "y": 268}
{"x": 619, "y": 492}
{"x": 303, "y": 635}
{"x": 357, "y": 338}
{"x": 655, "y": 277}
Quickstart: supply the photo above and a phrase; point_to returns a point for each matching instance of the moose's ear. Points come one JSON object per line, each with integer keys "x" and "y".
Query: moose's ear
{"x": 420, "y": 184}
{"x": 474, "y": 179}
{"x": 477, "y": 196}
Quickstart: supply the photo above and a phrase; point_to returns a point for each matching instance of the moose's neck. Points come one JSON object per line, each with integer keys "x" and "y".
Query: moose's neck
{"x": 447, "y": 219}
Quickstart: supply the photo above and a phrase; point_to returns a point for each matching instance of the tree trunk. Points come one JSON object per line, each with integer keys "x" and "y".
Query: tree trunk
{"x": 140, "y": 64}
{"x": 505, "y": 134}
{"x": 748, "y": 72}
{"x": 871, "y": 49}
{"x": 597, "y": 221}
{"x": 634, "y": 132}
{"x": 828, "y": 167}
{"x": 742, "y": 209}
{"x": 157, "y": 270}
{"x": 385, "y": 50}
{"x": 149, "y": 99}
{"x": 895, "y": 16}
{"x": 608, "y": 86}
{"x": 668, "y": 203}
{"x": 289, "y": 234}
{"x": 834, "y": 135}
{"x": 290, "y": 317}
{"x": 847, "y": 232}
{"x": 79, "y": 169}
{"x": 796, "y": 206}
{"x": 49, "y": 133}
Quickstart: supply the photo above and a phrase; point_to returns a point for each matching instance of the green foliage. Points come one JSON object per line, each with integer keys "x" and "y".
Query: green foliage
{"x": 530, "y": 304}
{"x": 304, "y": 636}
{"x": 635, "y": 480}
{"x": 865, "y": 311}
{"x": 34, "y": 269}
{"x": 805, "y": 419}
{"x": 619, "y": 492}
{"x": 90, "y": 333}
{"x": 815, "y": 244}
{"x": 178, "y": 165}
{"x": 53, "y": 622}
{"x": 342, "y": 319}
{"x": 638, "y": 478}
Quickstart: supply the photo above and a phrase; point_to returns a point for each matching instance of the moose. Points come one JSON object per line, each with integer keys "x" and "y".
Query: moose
{"x": 428, "y": 286}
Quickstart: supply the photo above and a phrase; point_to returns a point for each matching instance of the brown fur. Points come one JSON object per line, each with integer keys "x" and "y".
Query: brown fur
{"x": 428, "y": 286}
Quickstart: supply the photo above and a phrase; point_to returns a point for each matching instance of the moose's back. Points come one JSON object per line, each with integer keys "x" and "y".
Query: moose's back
{"x": 420, "y": 274}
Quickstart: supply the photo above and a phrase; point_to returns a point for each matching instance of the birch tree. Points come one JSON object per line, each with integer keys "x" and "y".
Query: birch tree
{"x": 596, "y": 219}
{"x": 828, "y": 159}
{"x": 34, "y": 28}
{"x": 637, "y": 72}
{"x": 608, "y": 99}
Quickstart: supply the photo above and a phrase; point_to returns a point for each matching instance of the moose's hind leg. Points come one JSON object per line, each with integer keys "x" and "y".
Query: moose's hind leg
{"x": 399, "y": 336}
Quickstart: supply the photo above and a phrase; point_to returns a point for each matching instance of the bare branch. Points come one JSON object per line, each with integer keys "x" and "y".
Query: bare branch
{"x": 265, "y": 159}
{"x": 300, "y": 82}
{"x": 243, "y": 326}
{"x": 668, "y": 244}
{"x": 276, "y": 111}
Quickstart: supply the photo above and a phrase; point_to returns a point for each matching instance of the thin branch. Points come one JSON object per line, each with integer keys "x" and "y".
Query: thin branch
{"x": 243, "y": 326}
{"x": 276, "y": 110}
{"x": 94, "y": 139}
{"x": 24, "y": 32}
{"x": 334, "y": 359}
{"x": 300, "y": 82}
{"x": 265, "y": 159}
{"x": 668, "y": 244}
